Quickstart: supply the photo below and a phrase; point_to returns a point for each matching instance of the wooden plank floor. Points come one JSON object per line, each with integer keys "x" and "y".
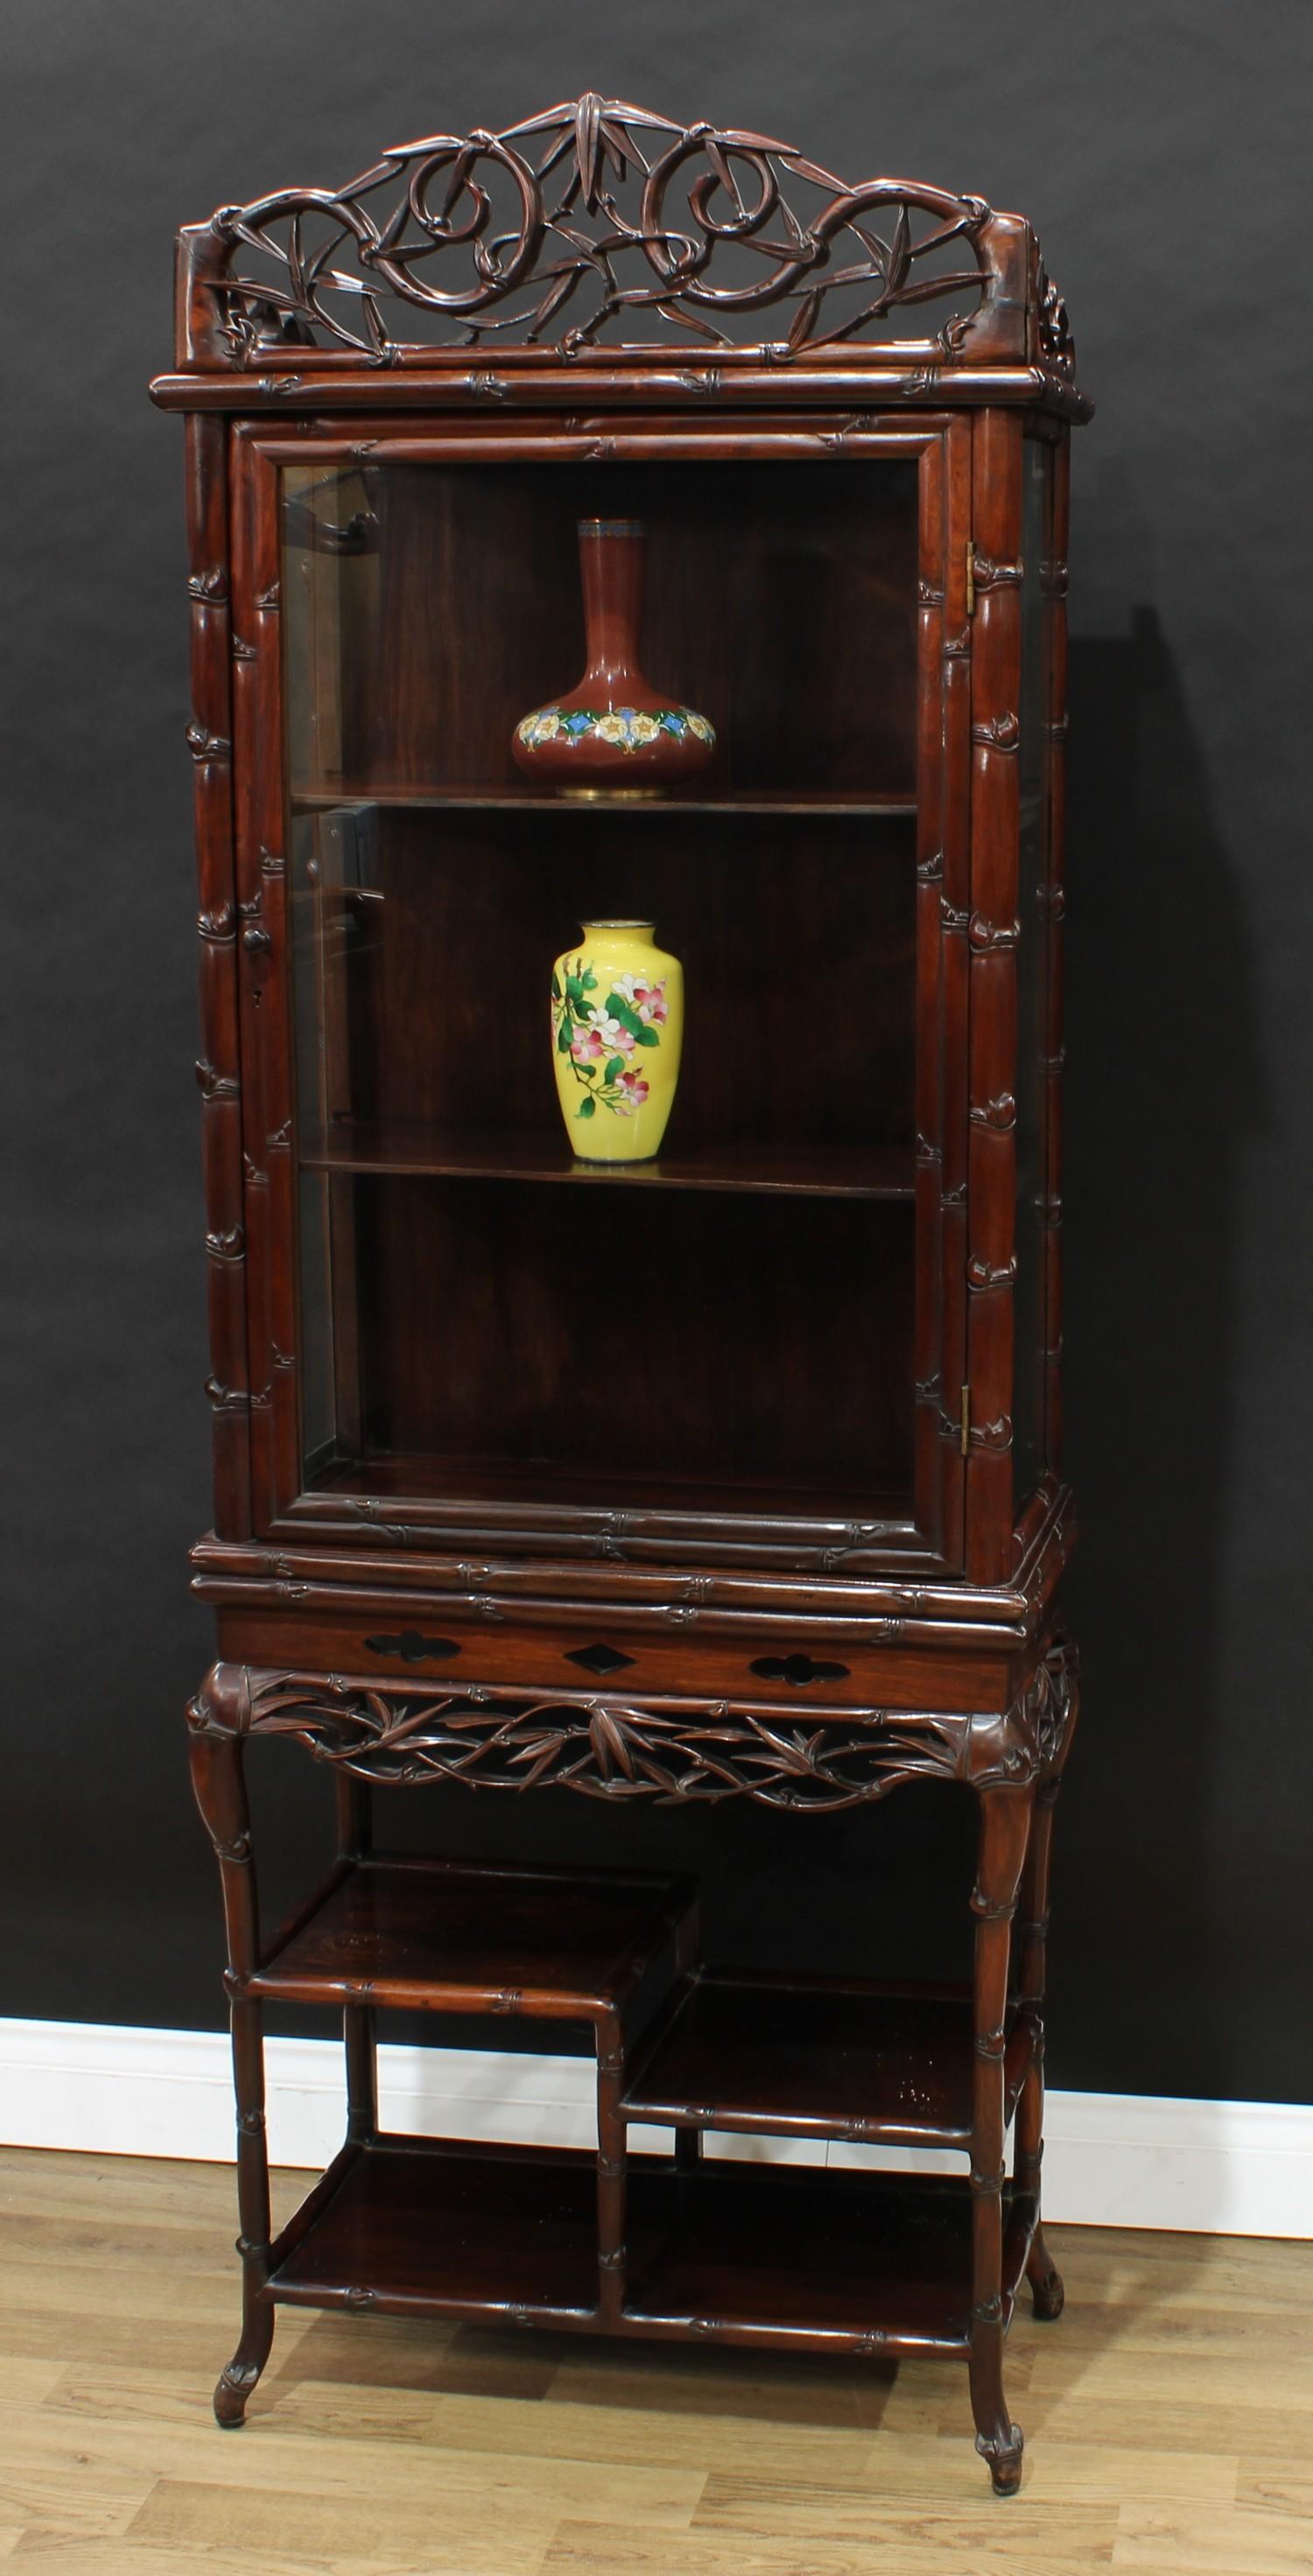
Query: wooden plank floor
{"x": 1168, "y": 2416}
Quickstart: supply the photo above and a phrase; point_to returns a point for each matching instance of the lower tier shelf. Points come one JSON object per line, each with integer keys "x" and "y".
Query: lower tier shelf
{"x": 736, "y": 2253}
{"x": 452, "y": 1936}
{"x": 821, "y": 2059}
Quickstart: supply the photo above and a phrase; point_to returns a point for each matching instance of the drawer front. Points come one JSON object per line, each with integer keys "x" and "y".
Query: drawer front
{"x": 791, "y": 1666}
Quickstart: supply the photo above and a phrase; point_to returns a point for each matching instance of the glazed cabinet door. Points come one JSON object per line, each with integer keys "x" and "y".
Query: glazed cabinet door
{"x": 751, "y": 1347}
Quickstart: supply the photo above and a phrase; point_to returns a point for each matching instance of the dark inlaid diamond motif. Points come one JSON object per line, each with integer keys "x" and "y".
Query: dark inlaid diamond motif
{"x": 598, "y": 1659}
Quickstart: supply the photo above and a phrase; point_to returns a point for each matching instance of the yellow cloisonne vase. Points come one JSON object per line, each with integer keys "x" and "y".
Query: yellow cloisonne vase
{"x": 617, "y": 1029}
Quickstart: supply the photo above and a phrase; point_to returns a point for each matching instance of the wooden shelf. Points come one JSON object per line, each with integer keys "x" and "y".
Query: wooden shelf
{"x": 788, "y": 2255}
{"x": 771, "y": 2055}
{"x": 328, "y": 799}
{"x": 772, "y": 2255}
{"x": 460, "y": 1937}
{"x": 417, "y": 2227}
{"x": 461, "y": 1480}
{"x": 441, "y": 1153}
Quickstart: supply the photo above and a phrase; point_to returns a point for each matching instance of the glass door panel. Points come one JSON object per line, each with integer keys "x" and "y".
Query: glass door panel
{"x": 482, "y": 1314}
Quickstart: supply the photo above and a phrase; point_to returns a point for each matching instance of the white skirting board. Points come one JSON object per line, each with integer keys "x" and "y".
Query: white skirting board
{"x": 1112, "y": 2159}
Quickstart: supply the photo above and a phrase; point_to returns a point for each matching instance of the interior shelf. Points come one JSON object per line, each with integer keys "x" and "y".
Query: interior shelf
{"x": 327, "y": 799}
{"x": 428, "y": 1478}
{"x": 820, "y": 2060}
{"x": 741, "y": 2253}
{"x": 419, "y": 1150}
{"x": 464, "y": 1937}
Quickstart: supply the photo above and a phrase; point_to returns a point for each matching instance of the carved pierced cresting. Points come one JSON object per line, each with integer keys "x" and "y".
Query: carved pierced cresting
{"x": 598, "y": 218}
{"x": 670, "y": 1750}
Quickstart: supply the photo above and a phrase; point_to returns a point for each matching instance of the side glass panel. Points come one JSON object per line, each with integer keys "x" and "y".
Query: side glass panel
{"x": 482, "y": 1314}
{"x": 1029, "y": 1452}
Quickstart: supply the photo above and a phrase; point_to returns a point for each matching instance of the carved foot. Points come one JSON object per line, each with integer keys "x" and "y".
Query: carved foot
{"x": 998, "y": 2439}
{"x": 230, "y": 2396}
{"x": 1003, "y": 2452}
{"x": 239, "y": 2378}
{"x": 1046, "y": 2290}
{"x": 1047, "y": 2294}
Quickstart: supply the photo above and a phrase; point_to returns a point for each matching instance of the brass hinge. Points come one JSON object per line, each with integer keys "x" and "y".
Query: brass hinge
{"x": 971, "y": 577}
{"x": 966, "y": 1422}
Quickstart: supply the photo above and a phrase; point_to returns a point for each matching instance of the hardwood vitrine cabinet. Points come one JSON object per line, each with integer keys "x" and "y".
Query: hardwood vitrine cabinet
{"x": 733, "y": 1473}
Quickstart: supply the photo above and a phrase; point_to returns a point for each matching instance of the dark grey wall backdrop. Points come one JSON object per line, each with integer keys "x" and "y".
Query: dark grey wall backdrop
{"x": 1158, "y": 151}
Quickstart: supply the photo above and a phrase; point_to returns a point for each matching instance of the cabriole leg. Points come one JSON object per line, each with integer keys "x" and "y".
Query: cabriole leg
{"x": 1004, "y": 1829}
{"x": 220, "y": 1790}
{"x": 612, "y": 2157}
{"x": 1042, "y": 2273}
{"x": 355, "y": 1840}
{"x": 688, "y": 1947}
{"x": 358, "y": 2031}
{"x": 1062, "y": 1670}
{"x": 238, "y": 2379}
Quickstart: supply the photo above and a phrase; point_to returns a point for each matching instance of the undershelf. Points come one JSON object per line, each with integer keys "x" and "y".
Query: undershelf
{"x": 737, "y": 2253}
{"x": 449, "y": 1936}
{"x": 422, "y": 1151}
{"x": 416, "y": 2227}
{"x": 745, "y": 2252}
{"x": 771, "y": 2056}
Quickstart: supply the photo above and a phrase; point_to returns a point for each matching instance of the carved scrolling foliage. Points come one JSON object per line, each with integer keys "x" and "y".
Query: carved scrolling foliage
{"x": 671, "y": 1751}
{"x": 1053, "y": 1705}
{"x": 591, "y": 214}
{"x": 1055, "y": 338}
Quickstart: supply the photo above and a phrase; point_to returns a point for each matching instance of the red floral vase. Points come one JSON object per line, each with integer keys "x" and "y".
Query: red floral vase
{"x": 615, "y": 735}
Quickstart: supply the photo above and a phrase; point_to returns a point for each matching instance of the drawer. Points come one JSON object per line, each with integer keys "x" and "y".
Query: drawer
{"x": 626, "y": 1655}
